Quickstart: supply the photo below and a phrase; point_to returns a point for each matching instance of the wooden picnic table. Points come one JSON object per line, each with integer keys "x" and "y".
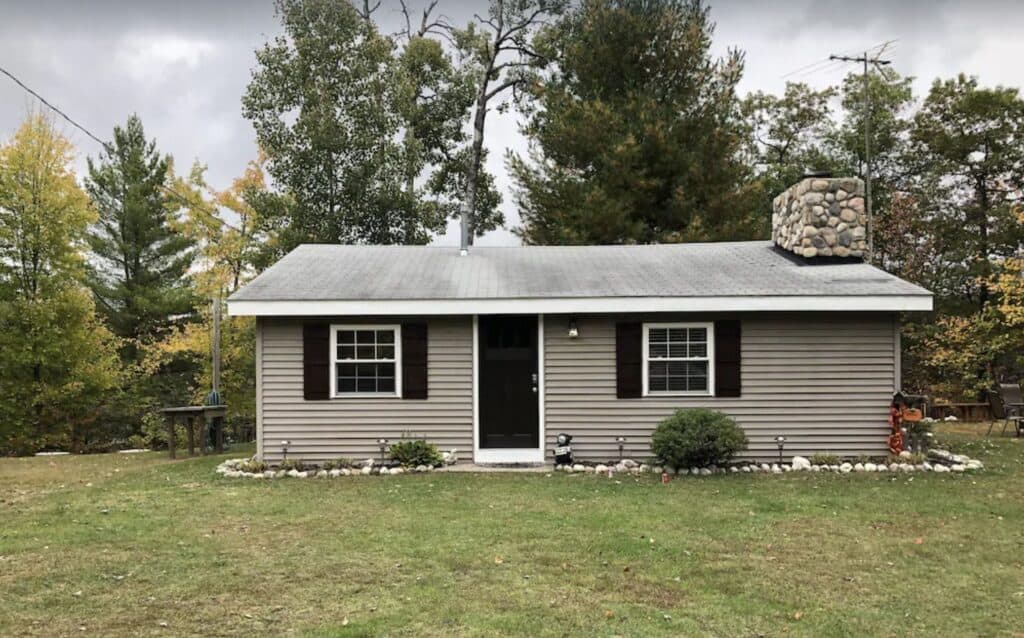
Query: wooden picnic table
{"x": 208, "y": 415}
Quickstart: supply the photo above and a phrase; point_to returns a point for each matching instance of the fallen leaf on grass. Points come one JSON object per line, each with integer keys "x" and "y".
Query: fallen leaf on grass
{"x": 608, "y": 613}
{"x": 919, "y": 541}
{"x": 798, "y": 615}
{"x": 498, "y": 560}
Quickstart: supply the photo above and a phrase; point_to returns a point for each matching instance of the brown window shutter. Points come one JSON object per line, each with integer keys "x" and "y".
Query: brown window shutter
{"x": 316, "y": 361}
{"x": 728, "y": 338}
{"x": 414, "y": 361}
{"x": 629, "y": 360}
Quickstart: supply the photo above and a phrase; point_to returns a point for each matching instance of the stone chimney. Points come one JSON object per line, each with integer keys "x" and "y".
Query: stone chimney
{"x": 821, "y": 216}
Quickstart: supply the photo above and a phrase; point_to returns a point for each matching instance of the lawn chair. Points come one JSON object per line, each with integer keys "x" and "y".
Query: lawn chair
{"x": 1007, "y": 405}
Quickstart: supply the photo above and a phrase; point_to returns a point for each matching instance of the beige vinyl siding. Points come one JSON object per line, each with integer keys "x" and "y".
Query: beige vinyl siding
{"x": 824, "y": 381}
{"x": 350, "y": 427}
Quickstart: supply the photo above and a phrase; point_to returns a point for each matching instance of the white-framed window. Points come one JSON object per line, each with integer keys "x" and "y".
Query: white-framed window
{"x": 366, "y": 360}
{"x": 679, "y": 359}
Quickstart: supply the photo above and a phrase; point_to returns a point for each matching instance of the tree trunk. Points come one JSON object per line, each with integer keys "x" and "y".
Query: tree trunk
{"x": 479, "y": 119}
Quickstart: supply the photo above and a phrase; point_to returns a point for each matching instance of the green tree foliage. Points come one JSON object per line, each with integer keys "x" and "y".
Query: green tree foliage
{"x": 788, "y": 136}
{"x": 139, "y": 260}
{"x": 636, "y": 132}
{"x": 967, "y": 163}
{"x": 434, "y": 96}
{"x": 324, "y": 100}
{"x": 58, "y": 362}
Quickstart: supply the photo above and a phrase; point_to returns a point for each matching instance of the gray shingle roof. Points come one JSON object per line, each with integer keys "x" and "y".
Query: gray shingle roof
{"x": 337, "y": 273}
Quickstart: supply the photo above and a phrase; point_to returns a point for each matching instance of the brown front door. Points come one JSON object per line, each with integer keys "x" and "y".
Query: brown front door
{"x": 508, "y": 382}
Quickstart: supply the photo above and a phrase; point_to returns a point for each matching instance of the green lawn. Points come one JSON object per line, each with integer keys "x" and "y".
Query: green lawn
{"x": 137, "y": 545}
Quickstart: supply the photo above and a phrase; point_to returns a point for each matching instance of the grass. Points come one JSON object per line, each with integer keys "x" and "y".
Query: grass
{"x": 122, "y": 545}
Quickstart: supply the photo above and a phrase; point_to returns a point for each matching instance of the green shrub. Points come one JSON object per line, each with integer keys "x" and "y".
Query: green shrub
{"x": 698, "y": 438}
{"x": 825, "y": 459}
{"x": 338, "y": 464}
{"x": 413, "y": 452}
{"x": 253, "y": 465}
{"x": 294, "y": 464}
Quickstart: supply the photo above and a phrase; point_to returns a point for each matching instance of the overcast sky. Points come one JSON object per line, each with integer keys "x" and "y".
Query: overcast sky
{"x": 183, "y": 65}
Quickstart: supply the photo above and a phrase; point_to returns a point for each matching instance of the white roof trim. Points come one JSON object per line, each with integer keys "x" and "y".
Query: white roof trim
{"x": 569, "y": 305}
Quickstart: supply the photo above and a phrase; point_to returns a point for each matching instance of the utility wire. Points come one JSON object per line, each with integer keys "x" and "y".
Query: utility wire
{"x": 56, "y": 110}
{"x": 106, "y": 145}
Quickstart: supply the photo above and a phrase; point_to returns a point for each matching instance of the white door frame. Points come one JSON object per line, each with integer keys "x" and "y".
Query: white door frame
{"x": 508, "y": 455}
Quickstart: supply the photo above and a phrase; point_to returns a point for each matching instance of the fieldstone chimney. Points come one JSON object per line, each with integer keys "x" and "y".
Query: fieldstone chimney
{"x": 821, "y": 216}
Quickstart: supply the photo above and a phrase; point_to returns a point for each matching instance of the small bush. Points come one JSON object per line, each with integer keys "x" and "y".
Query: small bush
{"x": 294, "y": 464}
{"x": 413, "y": 452}
{"x": 696, "y": 438}
{"x": 338, "y": 464}
{"x": 253, "y": 465}
{"x": 824, "y": 459}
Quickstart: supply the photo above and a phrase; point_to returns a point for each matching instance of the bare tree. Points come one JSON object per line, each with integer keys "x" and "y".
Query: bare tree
{"x": 366, "y": 9}
{"x": 499, "y": 44}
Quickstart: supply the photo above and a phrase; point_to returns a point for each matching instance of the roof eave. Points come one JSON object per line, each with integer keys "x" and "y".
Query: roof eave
{"x": 581, "y": 305}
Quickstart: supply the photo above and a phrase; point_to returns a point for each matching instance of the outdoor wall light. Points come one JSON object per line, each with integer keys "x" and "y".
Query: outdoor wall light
{"x": 383, "y": 445}
{"x": 284, "y": 449}
{"x": 574, "y": 330}
{"x": 781, "y": 441}
{"x": 621, "y": 440}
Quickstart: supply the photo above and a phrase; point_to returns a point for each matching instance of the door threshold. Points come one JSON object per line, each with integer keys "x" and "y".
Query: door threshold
{"x": 505, "y": 456}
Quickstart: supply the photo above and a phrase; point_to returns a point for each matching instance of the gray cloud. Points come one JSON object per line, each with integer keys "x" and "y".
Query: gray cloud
{"x": 183, "y": 66}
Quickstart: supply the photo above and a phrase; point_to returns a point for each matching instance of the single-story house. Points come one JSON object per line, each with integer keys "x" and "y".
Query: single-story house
{"x": 496, "y": 350}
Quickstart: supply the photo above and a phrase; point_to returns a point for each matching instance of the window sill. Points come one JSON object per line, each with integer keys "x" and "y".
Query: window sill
{"x": 367, "y": 395}
{"x": 678, "y": 394}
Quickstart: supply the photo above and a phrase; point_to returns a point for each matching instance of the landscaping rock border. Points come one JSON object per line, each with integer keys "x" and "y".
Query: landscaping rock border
{"x": 939, "y": 461}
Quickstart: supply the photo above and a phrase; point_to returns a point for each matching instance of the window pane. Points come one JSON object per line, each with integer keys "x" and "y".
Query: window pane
{"x": 366, "y": 384}
{"x": 677, "y": 335}
{"x": 698, "y": 334}
{"x": 346, "y": 384}
{"x": 366, "y": 337}
{"x": 365, "y": 352}
{"x": 346, "y": 369}
{"x": 657, "y": 383}
{"x": 698, "y": 368}
{"x": 658, "y": 350}
{"x": 385, "y": 384}
{"x": 346, "y": 336}
{"x": 386, "y": 369}
{"x": 658, "y": 368}
{"x": 677, "y": 350}
{"x": 677, "y": 384}
{"x": 698, "y": 384}
{"x": 385, "y": 352}
{"x": 657, "y": 334}
{"x": 385, "y": 336}
{"x": 346, "y": 352}
{"x": 698, "y": 350}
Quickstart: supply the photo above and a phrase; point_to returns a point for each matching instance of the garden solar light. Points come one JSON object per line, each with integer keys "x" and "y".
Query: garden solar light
{"x": 781, "y": 440}
{"x": 563, "y": 449}
{"x": 574, "y": 330}
{"x": 284, "y": 449}
{"x": 383, "y": 445}
{"x": 621, "y": 440}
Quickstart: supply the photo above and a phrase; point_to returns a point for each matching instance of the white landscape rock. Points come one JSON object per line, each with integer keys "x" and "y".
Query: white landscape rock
{"x": 870, "y": 467}
{"x": 705, "y": 471}
{"x": 766, "y": 468}
{"x": 366, "y": 470}
{"x": 859, "y": 467}
{"x": 845, "y": 468}
{"x": 776, "y": 469}
{"x": 801, "y": 463}
{"x": 601, "y": 469}
{"x": 958, "y": 468}
{"x": 334, "y": 473}
{"x": 293, "y": 473}
{"x": 579, "y": 467}
{"x": 940, "y": 469}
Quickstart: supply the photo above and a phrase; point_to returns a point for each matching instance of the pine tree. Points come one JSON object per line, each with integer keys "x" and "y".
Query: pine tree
{"x": 635, "y": 131}
{"x": 140, "y": 261}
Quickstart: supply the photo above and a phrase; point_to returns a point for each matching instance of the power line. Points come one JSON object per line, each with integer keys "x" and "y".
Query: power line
{"x": 55, "y": 109}
{"x": 106, "y": 145}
